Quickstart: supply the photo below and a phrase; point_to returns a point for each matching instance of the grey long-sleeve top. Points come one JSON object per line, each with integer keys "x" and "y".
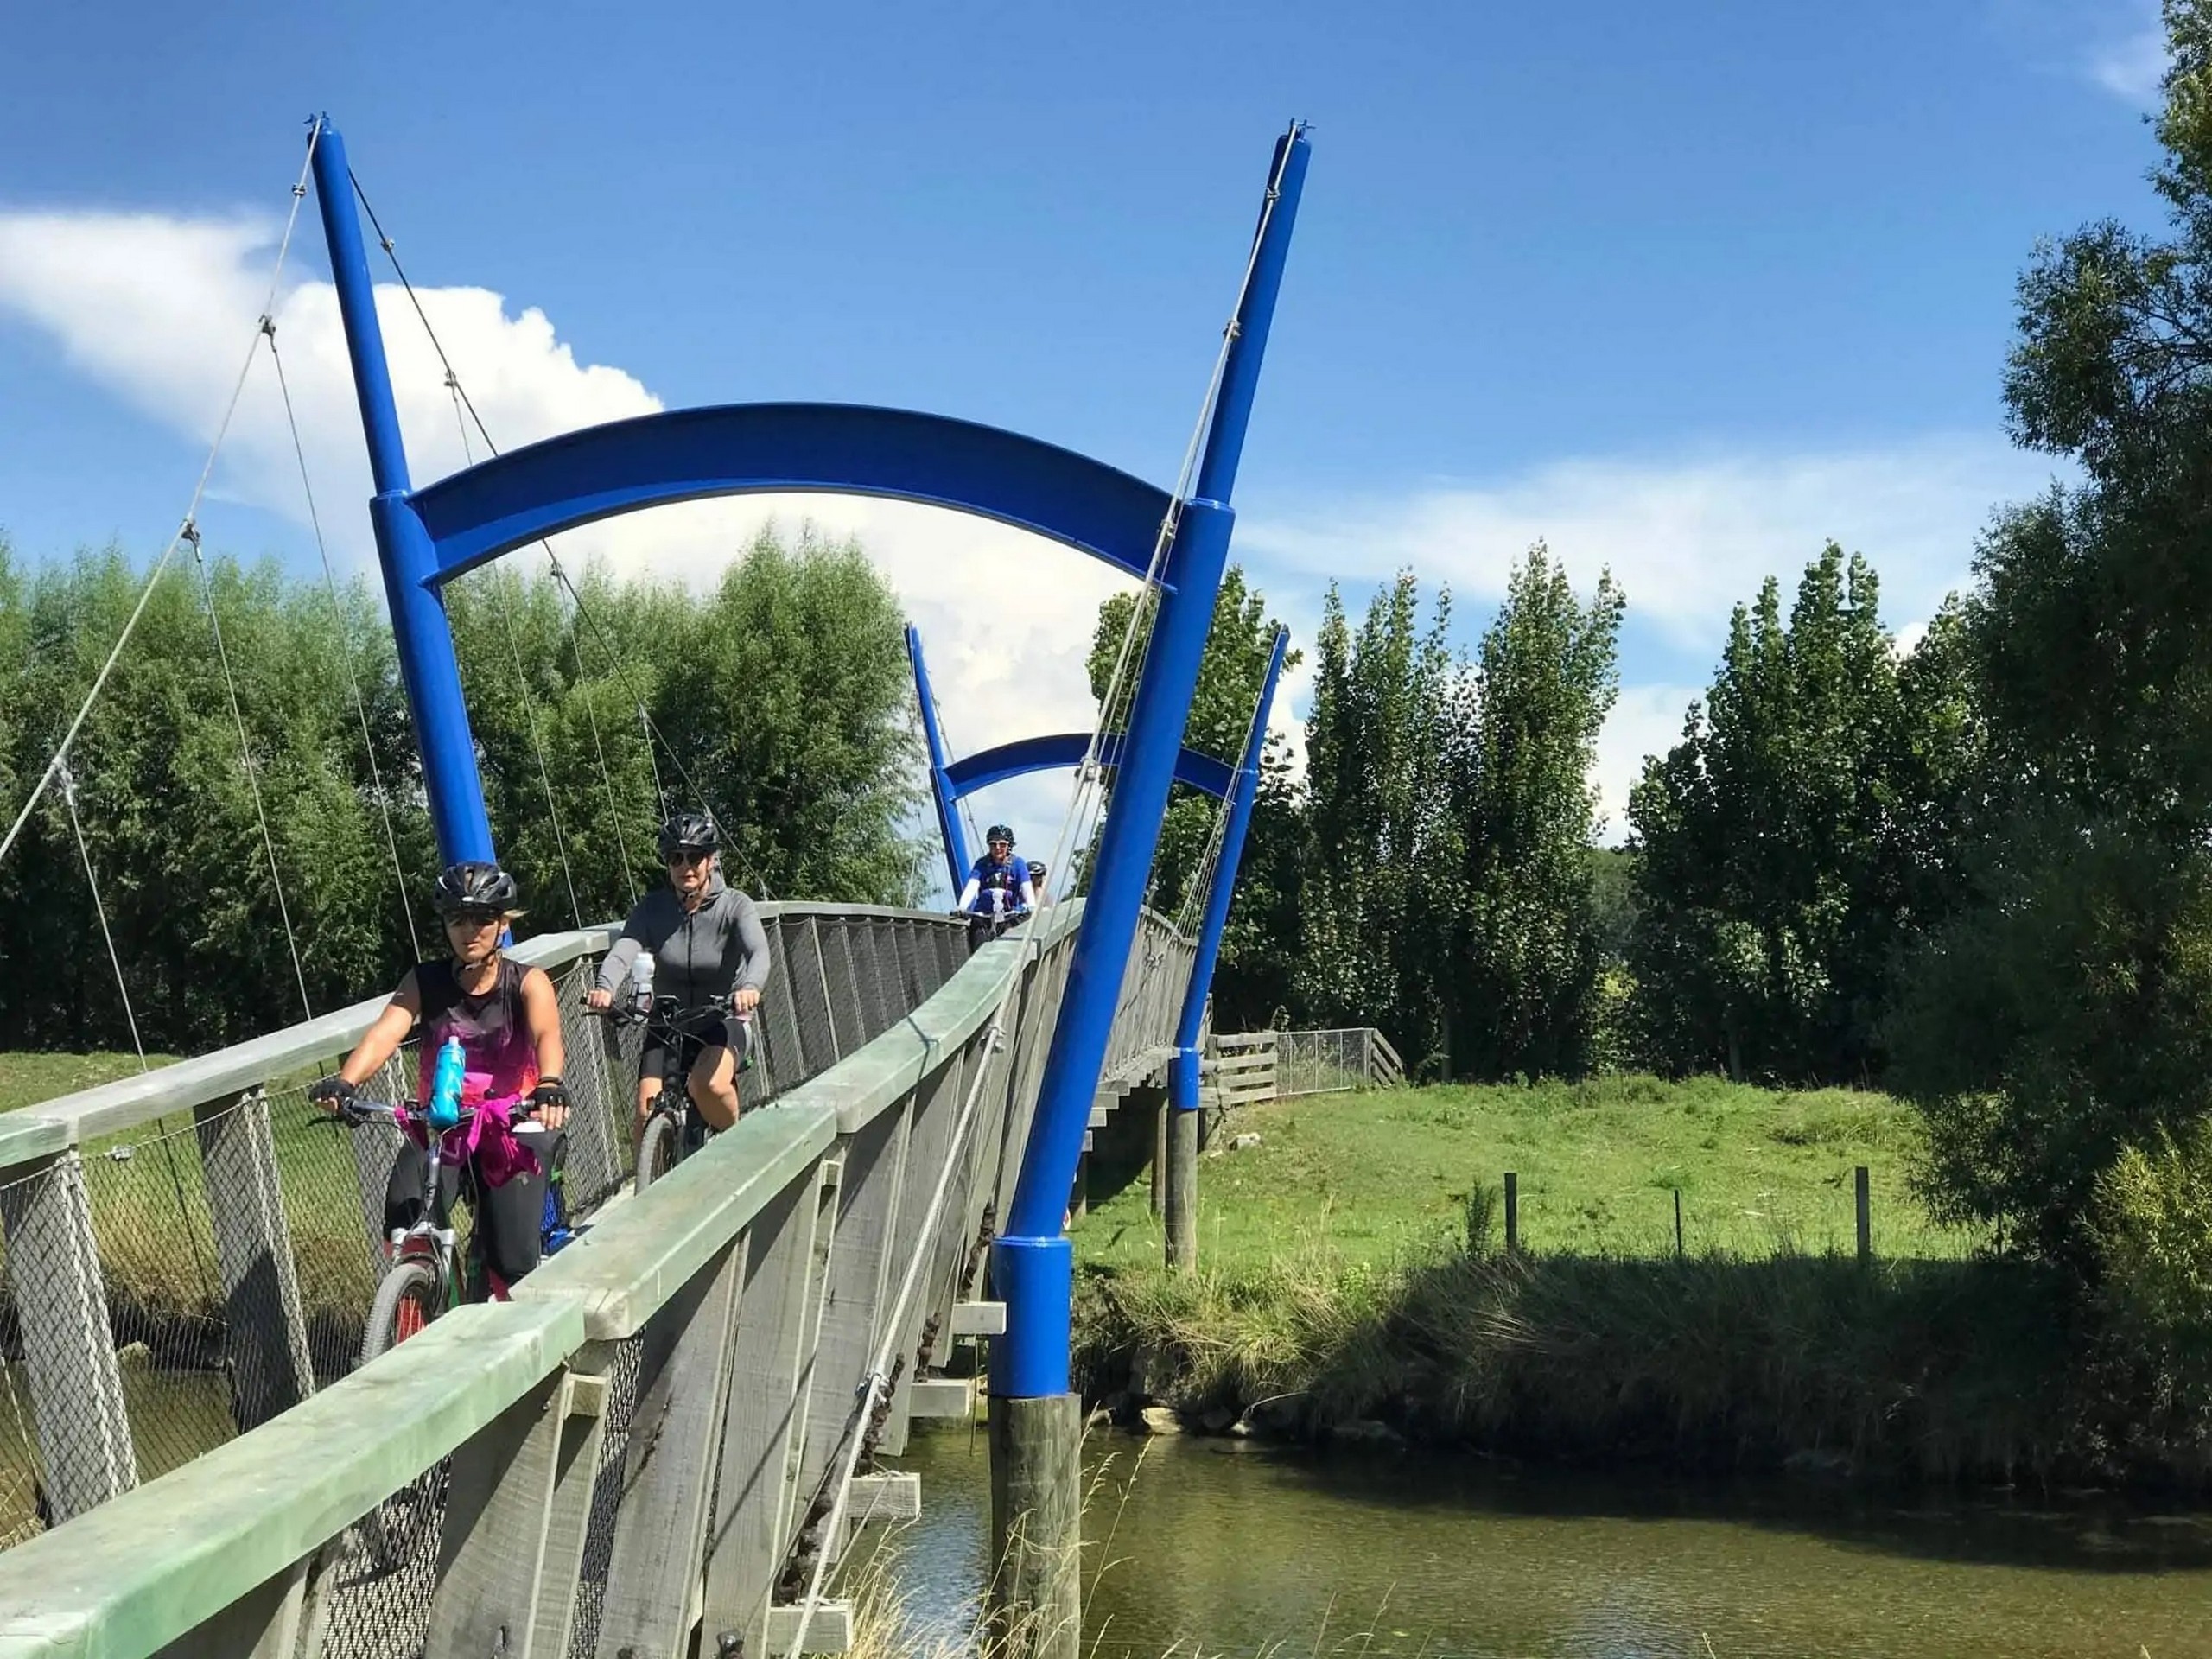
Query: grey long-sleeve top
{"x": 711, "y": 951}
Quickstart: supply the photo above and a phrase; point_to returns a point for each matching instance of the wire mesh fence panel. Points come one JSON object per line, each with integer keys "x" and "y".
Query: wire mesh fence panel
{"x": 323, "y": 1167}
{"x": 854, "y": 1004}
{"x": 607, "y": 1498}
{"x": 1320, "y": 1062}
{"x": 166, "y": 1307}
{"x": 381, "y": 1571}
{"x": 782, "y": 1055}
{"x": 598, "y": 1153}
{"x": 24, "y": 1509}
{"x": 810, "y": 1002}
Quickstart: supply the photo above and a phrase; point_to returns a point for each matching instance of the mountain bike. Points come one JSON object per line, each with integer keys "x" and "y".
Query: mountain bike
{"x": 984, "y": 925}
{"x": 426, "y": 1276}
{"x": 675, "y": 1128}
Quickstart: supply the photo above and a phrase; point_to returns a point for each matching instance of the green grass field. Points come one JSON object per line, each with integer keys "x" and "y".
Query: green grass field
{"x": 27, "y": 1079}
{"x": 1761, "y": 1172}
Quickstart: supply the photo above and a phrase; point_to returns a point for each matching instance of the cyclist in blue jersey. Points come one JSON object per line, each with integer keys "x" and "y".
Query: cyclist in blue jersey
{"x": 998, "y": 893}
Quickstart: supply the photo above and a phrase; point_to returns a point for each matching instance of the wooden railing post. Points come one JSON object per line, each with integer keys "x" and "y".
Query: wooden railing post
{"x": 653, "y": 1589}
{"x": 763, "y": 1431}
{"x": 515, "y": 1520}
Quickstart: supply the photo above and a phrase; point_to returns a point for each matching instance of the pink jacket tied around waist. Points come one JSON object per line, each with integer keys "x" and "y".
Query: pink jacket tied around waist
{"x": 489, "y": 1140}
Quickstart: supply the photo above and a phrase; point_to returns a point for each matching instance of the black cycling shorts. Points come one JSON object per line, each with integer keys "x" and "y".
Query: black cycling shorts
{"x": 652, "y": 1061}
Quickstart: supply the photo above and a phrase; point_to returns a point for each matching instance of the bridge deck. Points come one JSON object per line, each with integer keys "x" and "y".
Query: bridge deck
{"x": 640, "y": 1446}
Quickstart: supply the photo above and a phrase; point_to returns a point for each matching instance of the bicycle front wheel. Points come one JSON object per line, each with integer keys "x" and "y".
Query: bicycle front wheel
{"x": 657, "y": 1149}
{"x": 406, "y": 1300}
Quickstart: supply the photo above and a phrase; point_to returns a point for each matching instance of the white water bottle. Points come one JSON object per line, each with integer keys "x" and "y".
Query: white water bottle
{"x": 641, "y": 982}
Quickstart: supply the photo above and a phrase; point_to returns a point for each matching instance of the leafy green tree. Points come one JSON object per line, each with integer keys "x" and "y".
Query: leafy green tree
{"x": 782, "y": 695}
{"x": 1522, "y": 994}
{"x": 2060, "y": 1018}
{"x": 1793, "y": 839}
{"x": 1380, "y": 889}
{"x": 1252, "y": 978}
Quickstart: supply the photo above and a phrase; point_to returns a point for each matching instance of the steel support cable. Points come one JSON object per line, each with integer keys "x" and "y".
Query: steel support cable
{"x": 191, "y": 514}
{"x": 560, "y": 574}
{"x": 338, "y": 611}
{"x": 1088, "y": 783}
{"x": 130, "y": 1016}
{"x": 499, "y": 603}
{"x": 252, "y": 779}
{"x": 606, "y": 777}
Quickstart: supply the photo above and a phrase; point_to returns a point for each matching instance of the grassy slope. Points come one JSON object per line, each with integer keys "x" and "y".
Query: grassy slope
{"x": 27, "y": 1079}
{"x": 1761, "y": 1172}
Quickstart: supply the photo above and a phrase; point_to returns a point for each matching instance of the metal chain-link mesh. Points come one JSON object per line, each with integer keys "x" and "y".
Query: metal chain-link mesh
{"x": 165, "y": 1303}
{"x": 22, "y": 1497}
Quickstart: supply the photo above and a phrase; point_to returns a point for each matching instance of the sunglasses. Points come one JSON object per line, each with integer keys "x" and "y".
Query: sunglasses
{"x": 472, "y": 919}
{"x": 688, "y": 855}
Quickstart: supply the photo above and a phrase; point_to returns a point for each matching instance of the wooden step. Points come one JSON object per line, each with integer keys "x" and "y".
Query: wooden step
{"x": 979, "y": 1319}
{"x": 831, "y": 1630}
{"x": 941, "y": 1396}
{"x": 894, "y": 1495}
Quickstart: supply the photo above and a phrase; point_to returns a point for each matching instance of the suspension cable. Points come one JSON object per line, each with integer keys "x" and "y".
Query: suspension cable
{"x": 191, "y": 512}
{"x": 560, "y": 574}
{"x": 607, "y": 778}
{"x": 500, "y": 604}
{"x": 137, "y": 1042}
{"x": 68, "y": 780}
{"x": 346, "y": 652}
{"x": 1089, "y": 784}
{"x": 245, "y": 758}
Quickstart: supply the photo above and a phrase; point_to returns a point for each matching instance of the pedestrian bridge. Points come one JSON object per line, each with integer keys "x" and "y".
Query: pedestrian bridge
{"x": 655, "y": 1449}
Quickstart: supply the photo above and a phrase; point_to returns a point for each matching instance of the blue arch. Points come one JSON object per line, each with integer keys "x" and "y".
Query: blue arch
{"x": 738, "y": 448}
{"x": 1063, "y": 749}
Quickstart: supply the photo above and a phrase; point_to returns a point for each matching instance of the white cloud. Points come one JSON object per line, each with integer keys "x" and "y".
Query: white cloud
{"x": 1646, "y": 721}
{"x": 1686, "y": 540}
{"x": 2134, "y": 66}
{"x": 160, "y": 310}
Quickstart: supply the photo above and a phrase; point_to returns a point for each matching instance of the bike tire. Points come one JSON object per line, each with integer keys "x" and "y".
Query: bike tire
{"x": 393, "y": 1534}
{"x": 658, "y": 1150}
{"x": 411, "y": 1288}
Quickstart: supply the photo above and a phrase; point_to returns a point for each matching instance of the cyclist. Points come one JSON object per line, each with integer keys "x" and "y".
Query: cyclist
{"x": 1037, "y": 884}
{"x": 998, "y": 891}
{"x": 508, "y": 1020}
{"x": 706, "y": 942}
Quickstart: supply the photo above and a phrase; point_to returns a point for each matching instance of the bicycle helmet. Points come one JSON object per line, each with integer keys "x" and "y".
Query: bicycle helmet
{"x": 1036, "y": 873}
{"x": 692, "y": 830}
{"x": 999, "y": 832}
{"x": 475, "y": 885}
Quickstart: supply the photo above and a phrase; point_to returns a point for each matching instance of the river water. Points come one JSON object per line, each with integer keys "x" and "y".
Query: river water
{"x": 1227, "y": 1548}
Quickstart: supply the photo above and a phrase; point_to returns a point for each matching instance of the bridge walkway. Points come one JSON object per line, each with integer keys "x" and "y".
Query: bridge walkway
{"x": 641, "y": 1450}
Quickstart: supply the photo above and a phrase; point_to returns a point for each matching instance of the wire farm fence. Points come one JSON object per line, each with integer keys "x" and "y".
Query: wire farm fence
{"x": 190, "y": 1253}
{"x": 1245, "y": 1068}
{"x": 640, "y": 1451}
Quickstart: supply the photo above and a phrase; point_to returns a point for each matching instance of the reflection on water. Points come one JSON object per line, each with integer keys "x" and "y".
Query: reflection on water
{"x": 1239, "y": 1549}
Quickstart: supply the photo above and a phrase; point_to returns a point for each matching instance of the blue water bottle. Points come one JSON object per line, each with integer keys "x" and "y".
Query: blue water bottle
{"x": 445, "y": 1085}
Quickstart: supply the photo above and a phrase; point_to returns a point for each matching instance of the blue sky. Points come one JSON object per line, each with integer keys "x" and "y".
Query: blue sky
{"x": 1684, "y": 290}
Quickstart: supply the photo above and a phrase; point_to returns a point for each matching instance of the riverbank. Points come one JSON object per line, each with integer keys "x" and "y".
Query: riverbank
{"x": 1761, "y": 1347}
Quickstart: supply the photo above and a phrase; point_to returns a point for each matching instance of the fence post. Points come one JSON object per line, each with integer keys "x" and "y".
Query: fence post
{"x": 54, "y": 1270}
{"x": 1512, "y": 1213}
{"x": 265, "y": 1328}
{"x": 1865, "y": 1215}
{"x": 1678, "y": 1223}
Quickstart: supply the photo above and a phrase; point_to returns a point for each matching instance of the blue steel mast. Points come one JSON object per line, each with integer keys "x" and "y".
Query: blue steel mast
{"x": 1032, "y": 1263}
{"x": 404, "y": 549}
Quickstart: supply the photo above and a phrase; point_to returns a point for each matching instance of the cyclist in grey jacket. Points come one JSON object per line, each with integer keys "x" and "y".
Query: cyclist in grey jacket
{"x": 706, "y": 942}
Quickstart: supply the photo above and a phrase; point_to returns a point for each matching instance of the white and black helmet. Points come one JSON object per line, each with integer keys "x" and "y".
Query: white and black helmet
{"x": 688, "y": 831}
{"x": 475, "y": 885}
